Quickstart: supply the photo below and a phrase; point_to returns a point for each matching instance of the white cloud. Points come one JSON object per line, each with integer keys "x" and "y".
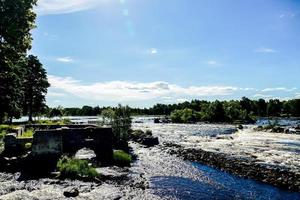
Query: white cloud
{"x": 65, "y": 59}
{"x": 248, "y": 89}
{"x": 265, "y": 50}
{"x": 152, "y": 51}
{"x": 282, "y": 89}
{"x": 287, "y": 15}
{"x": 212, "y": 62}
{"x": 297, "y": 95}
{"x": 65, "y": 6}
{"x": 181, "y": 100}
{"x": 134, "y": 91}
{"x": 55, "y": 94}
{"x": 263, "y": 96}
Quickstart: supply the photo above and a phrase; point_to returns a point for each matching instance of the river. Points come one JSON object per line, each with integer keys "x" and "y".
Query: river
{"x": 170, "y": 177}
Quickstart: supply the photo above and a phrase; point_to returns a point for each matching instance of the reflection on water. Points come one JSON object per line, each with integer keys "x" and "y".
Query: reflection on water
{"x": 172, "y": 178}
{"x": 227, "y": 187}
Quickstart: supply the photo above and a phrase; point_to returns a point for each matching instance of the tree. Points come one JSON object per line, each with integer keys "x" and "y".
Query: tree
{"x": 183, "y": 116}
{"x": 35, "y": 87}
{"x": 274, "y": 107}
{"x": 55, "y": 112}
{"x": 261, "y": 107}
{"x": 16, "y": 20}
{"x": 246, "y": 104}
{"x": 121, "y": 126}
{"x": 107, "y": 116}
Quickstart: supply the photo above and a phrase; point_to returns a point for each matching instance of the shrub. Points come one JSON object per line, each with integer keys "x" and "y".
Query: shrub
{"x": 121, "y": 158}
{"x": 75, "y": 168}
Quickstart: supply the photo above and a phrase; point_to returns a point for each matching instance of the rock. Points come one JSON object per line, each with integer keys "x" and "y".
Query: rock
{"x": 240, "y": 127}
{"x": 156, "y": 120}
{"x": 150, "y": 141}
{"x": 71, "y": 192}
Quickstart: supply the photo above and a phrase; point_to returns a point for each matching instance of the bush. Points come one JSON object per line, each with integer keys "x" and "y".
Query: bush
{"x": 75, "y": 168}
{"x": 121, "y": 158}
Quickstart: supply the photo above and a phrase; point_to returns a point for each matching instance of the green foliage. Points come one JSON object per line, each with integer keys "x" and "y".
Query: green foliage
{"x": 107, "y": 116}
{"x": 183, "y": 116}
{"x": 55, "y": 112}
{"x": 27, "y": 134}
{"x": 121, "y": 158}
{"x": 16, "y": 21}
{"x": 121, "y": 126}
{"x": 75, "y": 168}
{"x": 274, "y": 107}
{"x": 63, "y": 121}
{"x": 4, "y": 129}
{"x": 35, "y": 87}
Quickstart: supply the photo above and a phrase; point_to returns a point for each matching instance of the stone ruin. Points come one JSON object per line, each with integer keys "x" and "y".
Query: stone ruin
{"x": 58, "y": 140}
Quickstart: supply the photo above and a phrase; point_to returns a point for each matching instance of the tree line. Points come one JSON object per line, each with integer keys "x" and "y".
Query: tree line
{"x": 199, "y": 110}
{"x": 23, "y": 80}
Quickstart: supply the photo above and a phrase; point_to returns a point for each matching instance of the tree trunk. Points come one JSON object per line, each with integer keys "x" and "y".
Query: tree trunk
{"x": 30, "y": 114}
{"x": 30, "y": 110}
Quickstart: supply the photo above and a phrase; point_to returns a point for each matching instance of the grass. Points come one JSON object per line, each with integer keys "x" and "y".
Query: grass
{"x": 121, "y": 158}
{"x": 75, "y": 168}
{"x": 4, "y": 129}
{"x": 53, "y": 122}
{"x": 27, "y": 134}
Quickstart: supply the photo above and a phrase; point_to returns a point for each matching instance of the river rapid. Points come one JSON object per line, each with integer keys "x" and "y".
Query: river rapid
{"x": 155, "y": 174}
{"x": 172, "y": 178}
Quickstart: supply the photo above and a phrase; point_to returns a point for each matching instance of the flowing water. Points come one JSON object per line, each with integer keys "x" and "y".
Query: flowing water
{"x": 172, "y": 178}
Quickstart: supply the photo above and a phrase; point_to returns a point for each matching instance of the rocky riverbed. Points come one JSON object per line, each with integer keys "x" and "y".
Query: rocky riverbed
{"x": 167, "y": 171}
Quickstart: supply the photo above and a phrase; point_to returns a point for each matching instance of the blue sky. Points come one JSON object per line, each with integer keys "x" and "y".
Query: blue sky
{"x": 142, "y": 52}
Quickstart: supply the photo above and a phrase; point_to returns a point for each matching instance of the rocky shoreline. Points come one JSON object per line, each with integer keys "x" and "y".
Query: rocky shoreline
{"x": 243, "y": 167}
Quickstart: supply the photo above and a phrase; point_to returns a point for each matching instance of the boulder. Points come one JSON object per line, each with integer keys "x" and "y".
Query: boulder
{"x": 156, "y": 120}
{"x": 240, "y": 127}
{"x": 71, "y": 192}
{"x": 150, "y": 141}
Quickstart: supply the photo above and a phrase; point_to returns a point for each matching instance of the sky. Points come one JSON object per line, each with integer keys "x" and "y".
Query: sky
{"x": 143, "y": 52}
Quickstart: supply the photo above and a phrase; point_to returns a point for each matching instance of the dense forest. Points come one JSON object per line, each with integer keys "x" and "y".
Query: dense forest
{"x": 197, "y": 110}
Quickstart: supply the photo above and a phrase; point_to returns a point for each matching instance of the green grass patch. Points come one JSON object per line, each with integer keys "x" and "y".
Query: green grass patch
{"x": 121, "y": 158}
{"x": 4, "y": 129}
{"x": 75, "y": 168}
{"x": 54, "y": 122}
{"x": 27, "y": 134}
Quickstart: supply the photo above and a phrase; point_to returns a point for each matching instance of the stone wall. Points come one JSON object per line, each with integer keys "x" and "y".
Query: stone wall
{"x": 47, "y": 142}
{"x": 65, "y": 140}
{"x": 14, "y": 145}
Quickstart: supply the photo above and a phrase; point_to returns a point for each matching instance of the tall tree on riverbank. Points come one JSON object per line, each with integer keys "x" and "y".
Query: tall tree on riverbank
{"x": 16, "y": 20}
{"x": 35, "y": 87}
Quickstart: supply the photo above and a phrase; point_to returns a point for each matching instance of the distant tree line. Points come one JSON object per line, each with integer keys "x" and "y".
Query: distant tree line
{"x": 198, "y": 110}
{"x": 23, "y": 80}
